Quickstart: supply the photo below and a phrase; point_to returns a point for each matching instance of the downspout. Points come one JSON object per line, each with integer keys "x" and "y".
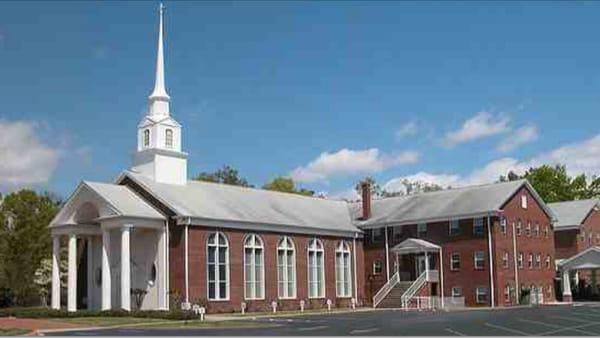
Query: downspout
{"x": 355, "y": 268}
{"x": 491, "y": 259}
{"x": 187, "y": 278}
{"x": 387, "y": 255}
{"x": 168, "y": 296}
{"x": 518, "y": 290}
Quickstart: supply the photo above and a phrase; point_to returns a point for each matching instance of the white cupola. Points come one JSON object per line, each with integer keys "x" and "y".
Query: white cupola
{"x": 159, "y": 154}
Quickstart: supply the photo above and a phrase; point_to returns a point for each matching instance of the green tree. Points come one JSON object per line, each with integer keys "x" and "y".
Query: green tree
{"x": 25, "y": 240}
{"x": 376, "y": 190}
{"x": 225, "y": 175}
{"x": 285, "y": 184}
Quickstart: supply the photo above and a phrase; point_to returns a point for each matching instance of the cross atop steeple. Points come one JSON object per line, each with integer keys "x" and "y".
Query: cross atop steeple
{"x": 159, "y": 99}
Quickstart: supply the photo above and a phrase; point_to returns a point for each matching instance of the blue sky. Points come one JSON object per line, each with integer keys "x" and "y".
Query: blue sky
{"x": 327, "y": 92}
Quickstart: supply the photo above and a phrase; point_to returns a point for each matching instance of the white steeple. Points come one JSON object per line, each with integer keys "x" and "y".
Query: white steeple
{"x": 159, "y": 99}
{"x": 159, "y": 154}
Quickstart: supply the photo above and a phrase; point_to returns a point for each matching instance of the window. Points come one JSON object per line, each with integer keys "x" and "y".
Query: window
{"x": 505, "y": 260}
{"x": 254, "y": 268}
{"x": 218, "y": 267}
{"x": 520, "y": 260}
{"x": 169, "y": 138}
{"x": 456, "y": 291}
{"x": 316, "y": 269}
{"x": 528, "y": 229}
{"x": 546, "y": 231}
{"x": 378, "y": 235}
{"x": 538, "y": 261}
{"x": 530, "y": 261}
{"x": 98, "y": 277}
{"x": 421, "y": 229}
{"x": 377, "y": 267}
{"x": 397, "y": 232}
{"x": 548, "y": 262}
{"x": 454, "y": 227}
{"x": 507, "y": 293}
{"x": 479, "y": 260}
{"x": 519, "y": 227}
{"x": 590, "y": 237}
{"x": 343, "y": 274}
{"x": 478, "y": 226}
{"x": 503, "y": 223}
{"x": 455, "y": 261}
{"x": 153, "y": 273}
{"x": 481, "y": 295}
{"x": 582, "y": 234}
{"x": 536, "y": 230}
{"x": 524, "y": 201}
{"x": 146, "y": 138}
{"x": 286, "y": 268}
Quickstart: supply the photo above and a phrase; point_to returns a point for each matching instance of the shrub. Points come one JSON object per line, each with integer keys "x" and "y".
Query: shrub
{"x": 49, "y": 313}
{"x": 6, "y": 297}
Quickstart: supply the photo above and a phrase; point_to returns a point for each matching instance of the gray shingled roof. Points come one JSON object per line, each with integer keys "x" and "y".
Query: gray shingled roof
{"x": 572, "y": 213}
{"x": 221, "y": 202}
{"x": 124, "y": 200}
{"x": 446, "y": 204}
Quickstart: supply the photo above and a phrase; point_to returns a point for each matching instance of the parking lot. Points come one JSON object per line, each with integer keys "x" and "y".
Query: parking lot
{"x": 576, "y": 320}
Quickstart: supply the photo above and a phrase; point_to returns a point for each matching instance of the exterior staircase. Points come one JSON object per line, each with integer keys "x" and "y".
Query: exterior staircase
{"x": 394, "y": 297}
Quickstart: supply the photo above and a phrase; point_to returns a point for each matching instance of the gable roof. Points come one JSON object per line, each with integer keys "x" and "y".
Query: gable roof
{"x": 571, "y": 214}
{"x": 465, "y": 202}
{"x": 211, "y": 203}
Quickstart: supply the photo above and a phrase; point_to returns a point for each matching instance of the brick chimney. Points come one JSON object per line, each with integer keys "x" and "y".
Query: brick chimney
{"x": 365, "y": 188}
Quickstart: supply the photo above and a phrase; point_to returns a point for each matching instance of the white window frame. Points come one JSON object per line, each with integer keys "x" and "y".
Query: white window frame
{"x": 507, "y": 297}
{"x": 524, "y": 201}
{"x": 452, "y": 261}
{"x": 528, "y": 229}
{"x": 548, "y": 262}
{"x": 479, "y": 292}
{"x": 478, "y": 223}
{"x": 482, "y": 259}
{"x": 536, "y": 229}
{"x": 146, "y": 138}
{"x": 421, "y": 229}
{"x": 546, "y": 232}
{"x": 255, "y": 245}
{"x": 503, "y": 225}
{"x": 450, "y": 227}
{"x": 538, "y": 261}
{"x": 218, "y": 280}
{"x": 520, "y": 259}
{"x": 506, "y": 260}
{"x": 343, "y": 270}
{"x": 169, "y": 138}
{"x": 377, "y": 264}
{"x": 315, "y": 246}
{"x": 456, "y": 292}
{"x": 519, "y": 227}
{"x": 286, "y": 246}
{"x": 530, "y": 261}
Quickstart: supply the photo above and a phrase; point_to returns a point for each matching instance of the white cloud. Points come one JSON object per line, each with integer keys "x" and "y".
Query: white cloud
{"x": 26, "y": 160}
{"x": 579, "y": 157}
{"x": 349, "y": 162}
{"x": 483, "y": 124}
{"x": 407, "y": 129}
{"x": 519, "y": 137}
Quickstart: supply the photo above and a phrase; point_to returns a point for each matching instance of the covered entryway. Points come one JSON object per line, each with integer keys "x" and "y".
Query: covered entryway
{"x": 588, "y": 260}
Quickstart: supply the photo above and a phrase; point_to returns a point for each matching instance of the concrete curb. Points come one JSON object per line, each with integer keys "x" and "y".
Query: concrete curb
{"x": 96, "y": 328}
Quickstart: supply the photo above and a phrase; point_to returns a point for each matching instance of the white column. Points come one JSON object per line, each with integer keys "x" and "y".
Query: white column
{"x": 566, "y": 285}
{"x": 90, "y": 273}
{"x": 442, "y": 276}
{"x": 491, "y": 260}
{"x": 162, "y": 269}
{"x": 56, "y": 272}
{"x": 125, "y": 268}
{"x": 387, "y": 254}
{"x": 426, "y": 266}
{"x": 106, "y": 278}
{"x": 72, "y": 278}
{"x": 186, "y": 259}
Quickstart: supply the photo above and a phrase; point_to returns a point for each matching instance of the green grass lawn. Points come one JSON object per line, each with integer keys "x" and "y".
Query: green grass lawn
{"x": 13, "y": 332}
{"x": 108, "y": 321}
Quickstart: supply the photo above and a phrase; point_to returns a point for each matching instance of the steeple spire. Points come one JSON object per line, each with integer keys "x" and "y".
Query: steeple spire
{"x": 159, "y": 99}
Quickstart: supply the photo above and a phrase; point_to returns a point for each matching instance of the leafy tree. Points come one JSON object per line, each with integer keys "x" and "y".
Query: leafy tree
{"x": 285, "y": 184}
{"x": 554, "y": 184}
{"x": 24, "y": 240}
{"x": 225, "y": 175}
{"x": 376, "y": 190}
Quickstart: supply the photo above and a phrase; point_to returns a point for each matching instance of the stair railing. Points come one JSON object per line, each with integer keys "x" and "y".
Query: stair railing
{"x": 385, "y": 289}
{"x": 413, "y": 289}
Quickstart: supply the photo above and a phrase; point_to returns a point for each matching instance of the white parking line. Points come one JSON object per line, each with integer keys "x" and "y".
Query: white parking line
{"x": 557, "y": 326}
{"x": 572, "y": 319}
{"x": 571, "y": 328}
{"x": 454, "y": 332}
{"x": 313, "y": 328}
{"x": 363, "y": 331}
{"x": 507, "y": 329}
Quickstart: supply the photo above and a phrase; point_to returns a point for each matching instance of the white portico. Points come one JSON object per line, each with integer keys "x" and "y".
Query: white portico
{"x": 118, "y": 242}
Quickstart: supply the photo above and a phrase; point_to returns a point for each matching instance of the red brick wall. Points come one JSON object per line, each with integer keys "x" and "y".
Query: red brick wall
{"x": 541, "y": 244}
{"x": 197, "y": 270}
{"x": 566, "y": 243}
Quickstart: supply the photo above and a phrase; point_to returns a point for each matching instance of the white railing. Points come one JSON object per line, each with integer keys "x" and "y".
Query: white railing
{"x": 413, "y": 289}
{"x": 433, "y": 276}
{"x": 385, "y": 289}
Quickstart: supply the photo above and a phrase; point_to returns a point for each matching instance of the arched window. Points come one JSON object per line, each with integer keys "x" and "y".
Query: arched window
{"x": 343, "y": 272}
{"x": 286, "y": 268}
{"x": 169, "y": 138}
{"x": 316, "y": 269}
{"x": 254, "y": 268}
{"x": 218, "y": 267}
{"x": 147, "y": 138}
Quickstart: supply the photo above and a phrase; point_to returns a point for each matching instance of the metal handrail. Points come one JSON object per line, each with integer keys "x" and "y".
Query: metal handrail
{"x": 414, "y": 287}
{"x": 385, "y": 289}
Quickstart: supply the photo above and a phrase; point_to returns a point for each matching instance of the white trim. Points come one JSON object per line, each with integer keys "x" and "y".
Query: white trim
{"x": 491, "y": 259}
{"x": 217, "y": 279}
{"x": 355, "y": 271}
{"x": 186, "y": 264}
{"x": 285, "y": 280}
{"x": 387, "y": 254}
{"x": 167, "y": 267}
{"x": 253, "y": 279}
{"x": 344, "y": 250}
{"x": 442, "y": 276}
{"x": 318, "y": 247}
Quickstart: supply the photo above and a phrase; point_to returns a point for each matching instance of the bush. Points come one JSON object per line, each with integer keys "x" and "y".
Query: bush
{"x": 49, "y": 313}
{"x": 6, "y": 297}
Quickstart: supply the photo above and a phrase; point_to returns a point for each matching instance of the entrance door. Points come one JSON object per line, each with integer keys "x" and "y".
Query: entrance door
{"x": 420, "y": 265}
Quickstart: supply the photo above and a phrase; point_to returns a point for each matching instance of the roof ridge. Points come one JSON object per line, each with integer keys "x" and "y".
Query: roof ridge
{"x": 597, "y": 200}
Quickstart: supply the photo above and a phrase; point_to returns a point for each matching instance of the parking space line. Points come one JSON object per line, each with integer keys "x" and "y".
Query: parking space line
{"x": 454, "y": 332}
{"x": 364, "y": 330}
{"x": 572, "y": 319}
{"x": 571, "y": 328}
{"x": 507, "y": 329}
{"x": 540, "y": 323}
{"x": 313, "y": 328}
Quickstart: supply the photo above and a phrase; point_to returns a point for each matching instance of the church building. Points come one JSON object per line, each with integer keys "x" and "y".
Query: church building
{"x": 152, "y": 239}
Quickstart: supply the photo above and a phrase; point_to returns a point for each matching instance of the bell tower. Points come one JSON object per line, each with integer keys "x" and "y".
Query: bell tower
{"x": 159, "y": 154}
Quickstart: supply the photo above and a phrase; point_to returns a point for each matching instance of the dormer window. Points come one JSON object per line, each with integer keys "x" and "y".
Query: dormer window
{"x": 169, "y": 138}
{"x": 146, "y": 138}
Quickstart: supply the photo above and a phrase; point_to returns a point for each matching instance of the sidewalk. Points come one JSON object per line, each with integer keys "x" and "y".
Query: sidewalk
{"x": 34, "y": 325}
